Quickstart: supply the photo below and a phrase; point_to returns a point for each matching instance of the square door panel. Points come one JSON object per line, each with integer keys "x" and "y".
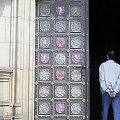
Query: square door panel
{"x": 44, "y": 107}
{"x": 45, "y": 26}
{"x": 45, "y": 57}
{"x": 44, "y": 10}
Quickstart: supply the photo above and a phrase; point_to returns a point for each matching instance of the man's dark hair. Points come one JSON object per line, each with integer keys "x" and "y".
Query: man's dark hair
{"x": 111, "y": 55}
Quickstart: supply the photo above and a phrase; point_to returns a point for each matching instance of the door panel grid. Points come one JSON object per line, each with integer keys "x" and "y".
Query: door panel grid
{"x": 61, "y": 71}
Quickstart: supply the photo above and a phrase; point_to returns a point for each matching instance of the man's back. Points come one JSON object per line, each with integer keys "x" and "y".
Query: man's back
{"x": 111, "y": 71}
{"x": 109, "y": 77}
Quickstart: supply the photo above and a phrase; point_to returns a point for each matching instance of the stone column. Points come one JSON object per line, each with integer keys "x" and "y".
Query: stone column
{"x": 22, "y": 57}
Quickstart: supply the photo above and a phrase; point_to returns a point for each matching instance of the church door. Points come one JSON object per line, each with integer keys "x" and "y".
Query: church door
{"x": 61, "y": 60}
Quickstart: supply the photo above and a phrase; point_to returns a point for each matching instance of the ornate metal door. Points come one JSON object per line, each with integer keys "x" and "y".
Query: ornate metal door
{"x": 61, "y": 72}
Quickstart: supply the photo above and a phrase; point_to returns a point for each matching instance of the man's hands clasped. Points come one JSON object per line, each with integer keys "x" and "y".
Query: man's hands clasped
{"x": 112, "y": 94}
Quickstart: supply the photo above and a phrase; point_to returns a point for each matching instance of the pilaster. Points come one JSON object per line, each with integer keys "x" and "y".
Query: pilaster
{"x": 22, "y": 57}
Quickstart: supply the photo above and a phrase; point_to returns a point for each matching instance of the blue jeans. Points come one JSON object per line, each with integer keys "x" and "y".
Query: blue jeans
{"x": 106, "y": 100}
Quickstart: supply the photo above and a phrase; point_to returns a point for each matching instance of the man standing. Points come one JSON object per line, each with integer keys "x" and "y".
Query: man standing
{"x": 109, "y": 78}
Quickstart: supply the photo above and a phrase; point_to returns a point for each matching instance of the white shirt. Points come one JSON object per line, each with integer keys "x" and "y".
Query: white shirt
{"x": 109, "y": 76}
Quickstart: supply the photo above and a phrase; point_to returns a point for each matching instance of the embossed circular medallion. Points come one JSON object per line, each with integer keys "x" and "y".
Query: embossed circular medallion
{"x": 60, "y": 91}
{"x": 44, "y": 108}
{"x": 75, "y": 42}
{"x": 44, "y": 42}
{"x": 76, "y": 75}
{"x": 76, "y": 91}
{"x": 60, "y": 58}
{"x": 44, "y": 74}
{"x": 44, "y": 91}
{"x": 75, "y": 108}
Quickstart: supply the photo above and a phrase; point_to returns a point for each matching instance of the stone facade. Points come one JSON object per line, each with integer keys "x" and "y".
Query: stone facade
{"x": 17, "y": 22}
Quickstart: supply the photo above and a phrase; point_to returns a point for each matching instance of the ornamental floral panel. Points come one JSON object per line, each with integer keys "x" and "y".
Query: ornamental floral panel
{"x": 76, "y": 26}
{"x": 45, "y": 10}
{"x": 76, "y": 91}
{"x": 45, "y": 26}
{"x": 44, "y": 42}
{"x": 77, "y": 42}
{"x": 44, "y": 108}
{"x": 61, "y": 60}
{"x": 44, "y": 91}
{"x": 76, "y": 75}
{"x": 76, "y": 11}
{"x": 45, "y": 74}
{"x": 60, "y": 91}
{"x": 60, "y": 26}
{"x": 77, "y": 107}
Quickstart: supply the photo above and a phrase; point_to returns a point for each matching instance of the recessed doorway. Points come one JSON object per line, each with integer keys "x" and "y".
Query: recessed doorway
{"x": 104, "y": 36}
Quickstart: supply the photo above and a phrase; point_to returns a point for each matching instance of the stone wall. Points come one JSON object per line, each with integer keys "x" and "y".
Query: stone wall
{"x": 17, "y": 22}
